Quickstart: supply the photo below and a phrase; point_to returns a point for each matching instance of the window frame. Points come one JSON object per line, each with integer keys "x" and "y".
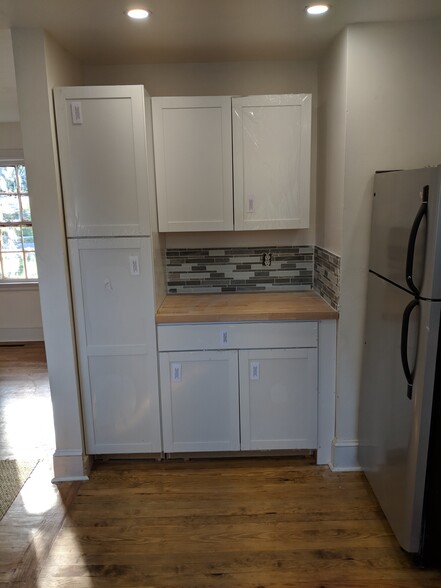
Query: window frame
{"x": 15, "y": 159}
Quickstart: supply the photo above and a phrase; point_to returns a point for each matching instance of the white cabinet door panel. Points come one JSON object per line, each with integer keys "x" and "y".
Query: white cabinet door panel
{"x": 278, "y": 399}
{"x": 272, "y": 150}
{"x": 113, "y": 293}
{"x": 116, "y": 341}
{"x": 200, "y": 401}
{"x": 103, "y": 160}
{"x": 193, "y": 163}
{"x": 120, "y": 414}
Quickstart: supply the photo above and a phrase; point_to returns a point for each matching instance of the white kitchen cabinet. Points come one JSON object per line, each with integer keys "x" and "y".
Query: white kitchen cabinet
{"x": 200, "y": 401}
{"x": 271, "y": 156}
{"x": 268, "y": 154}
{"x": 101, "y": 135}
{"x": 113, "y": 298}
{"x": 233, "y": 377}
{"x": 278, "y": 398}
{"x": 192, "y": 137}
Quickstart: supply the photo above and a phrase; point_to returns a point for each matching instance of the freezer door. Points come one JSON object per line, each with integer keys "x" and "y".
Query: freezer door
{"x": 394, "y": 428}
{"x": 398, "y": 213}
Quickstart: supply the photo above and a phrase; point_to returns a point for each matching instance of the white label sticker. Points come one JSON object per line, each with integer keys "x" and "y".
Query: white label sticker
{"x": 176, "y": 372}
{"x": 254, "y": 370}
{"x": 75, "y": 111}
{"x": 134, "y": 265}
{"x": 224, "y": 337}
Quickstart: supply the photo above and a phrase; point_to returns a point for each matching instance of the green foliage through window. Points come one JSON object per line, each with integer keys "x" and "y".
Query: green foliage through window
{"x": 17, "y": 249}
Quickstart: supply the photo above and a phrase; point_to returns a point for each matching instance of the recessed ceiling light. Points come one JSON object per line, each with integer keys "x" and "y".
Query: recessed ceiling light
{"x": 317, "y": 9}
{"x": 138, "y": 13}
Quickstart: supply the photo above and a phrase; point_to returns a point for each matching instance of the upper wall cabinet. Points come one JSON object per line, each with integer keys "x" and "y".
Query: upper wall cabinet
{"x": 272, "y": 152}
{"x": 192, "y": 138}
{"x": 194, "y": 155}
{"x": 103, "y": 159}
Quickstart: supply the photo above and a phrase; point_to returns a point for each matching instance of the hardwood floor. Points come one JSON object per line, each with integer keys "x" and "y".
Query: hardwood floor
{"x": 26, "y": 425}
{"x": 249, "y": 523}
{"x": 30, "y": 526}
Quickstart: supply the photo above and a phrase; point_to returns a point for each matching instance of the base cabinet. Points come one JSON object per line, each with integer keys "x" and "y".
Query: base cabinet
{"x": 200, "y": 401}
{"x": 278, "y": 399}
{"x": 114, "y": 320}
{"x": 238, "y": 399}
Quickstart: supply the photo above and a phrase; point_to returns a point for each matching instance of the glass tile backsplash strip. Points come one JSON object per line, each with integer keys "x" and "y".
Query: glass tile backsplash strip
{"x": 327, "y": 276}
{"x": 243, "y": 269}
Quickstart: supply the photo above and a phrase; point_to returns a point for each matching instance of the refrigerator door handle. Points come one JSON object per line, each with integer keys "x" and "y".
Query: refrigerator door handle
{"x": 412, "y": 240}
{"x": 404, "y": 341}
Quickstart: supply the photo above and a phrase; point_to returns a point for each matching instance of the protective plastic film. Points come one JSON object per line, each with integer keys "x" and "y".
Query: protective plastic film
{"x": 272, "y": 143}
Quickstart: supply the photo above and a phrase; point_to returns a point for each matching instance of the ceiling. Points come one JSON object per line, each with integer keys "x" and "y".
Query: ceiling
{"x": 98, "y": 32}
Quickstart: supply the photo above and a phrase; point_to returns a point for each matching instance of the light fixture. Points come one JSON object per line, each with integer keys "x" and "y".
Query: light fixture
{"x": 317, "y": 9}
{"x": 138, "y": 13}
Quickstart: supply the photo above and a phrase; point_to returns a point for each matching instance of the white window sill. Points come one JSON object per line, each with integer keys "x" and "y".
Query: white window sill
{"x": 17, "y": 285}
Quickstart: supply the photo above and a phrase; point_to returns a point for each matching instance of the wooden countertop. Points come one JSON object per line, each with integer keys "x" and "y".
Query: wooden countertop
{"x": 246, "y": 306}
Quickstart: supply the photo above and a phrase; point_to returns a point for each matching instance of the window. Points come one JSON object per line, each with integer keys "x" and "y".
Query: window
{"x": 17, "y": 249}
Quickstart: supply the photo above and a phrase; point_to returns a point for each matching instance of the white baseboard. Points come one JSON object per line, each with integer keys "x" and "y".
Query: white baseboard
{"x": 19, "y": 335}
{"x": 345, "y": 456}
{"x": 70, "y": 466}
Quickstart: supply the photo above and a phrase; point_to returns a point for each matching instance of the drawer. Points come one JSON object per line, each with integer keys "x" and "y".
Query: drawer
{"x": 264, "y": 335}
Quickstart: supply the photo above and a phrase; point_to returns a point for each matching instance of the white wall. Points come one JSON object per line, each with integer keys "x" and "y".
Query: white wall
{"x": 10, "y": 138}
{"x": 393, "y": 118}
{"x": 20, "y": 316}
{"x": 211, "y": 79}
{"x": 332, "y": 99}
{"x": 40, "y": 64}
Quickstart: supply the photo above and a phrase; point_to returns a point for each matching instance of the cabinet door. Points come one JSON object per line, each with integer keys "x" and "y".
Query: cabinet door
{"x": 200, "y": 401}
{"x": 278, "y": 399}
{"x": 102, "y": 147}
{"x": 272, "y": 151}
{"x": 193, "y": 162}
{"x": 116, "y": 342}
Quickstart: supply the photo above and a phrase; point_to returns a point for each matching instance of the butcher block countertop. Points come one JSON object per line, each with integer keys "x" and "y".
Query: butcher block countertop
{"x": 244, "y": 306}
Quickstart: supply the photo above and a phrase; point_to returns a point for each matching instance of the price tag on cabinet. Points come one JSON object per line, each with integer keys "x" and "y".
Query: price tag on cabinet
{"x": 223, "y": 336}
{"x": 176, "y": 372}
{"x": 75, "y": 111}
{"x": 254, "y": 370}
{"x": 134, "y": 265}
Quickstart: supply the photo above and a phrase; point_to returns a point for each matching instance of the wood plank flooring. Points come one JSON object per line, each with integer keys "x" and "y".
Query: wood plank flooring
{"x": 252, "y": 523}
{"x": 228, "y": 523}
{"x": 26, "y": 424}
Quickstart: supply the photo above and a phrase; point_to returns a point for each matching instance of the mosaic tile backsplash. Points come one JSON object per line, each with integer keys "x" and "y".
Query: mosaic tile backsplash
{"x": 240, "y": 269}
{"x": 327, "y": 276}
{"x": 243, "y": 270}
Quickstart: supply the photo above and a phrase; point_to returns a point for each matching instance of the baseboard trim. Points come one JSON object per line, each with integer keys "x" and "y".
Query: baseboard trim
{"x": 19, "y": 335}
{"x": 345, "y": 456}
{"x": 70, "y": 466}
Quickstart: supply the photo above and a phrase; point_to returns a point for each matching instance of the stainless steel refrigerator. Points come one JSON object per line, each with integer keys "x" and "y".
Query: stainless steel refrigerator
{"x": 400, "y": 414}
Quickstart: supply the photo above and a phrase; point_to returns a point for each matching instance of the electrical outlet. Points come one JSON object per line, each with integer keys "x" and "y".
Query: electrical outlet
{"x": 266, "y": 259}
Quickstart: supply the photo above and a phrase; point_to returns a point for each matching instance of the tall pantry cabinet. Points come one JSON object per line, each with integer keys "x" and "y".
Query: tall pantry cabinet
{"x": 107, "y": 190}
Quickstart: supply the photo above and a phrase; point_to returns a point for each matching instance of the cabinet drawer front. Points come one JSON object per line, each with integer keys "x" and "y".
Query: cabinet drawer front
{"x": 187, "y": 337}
